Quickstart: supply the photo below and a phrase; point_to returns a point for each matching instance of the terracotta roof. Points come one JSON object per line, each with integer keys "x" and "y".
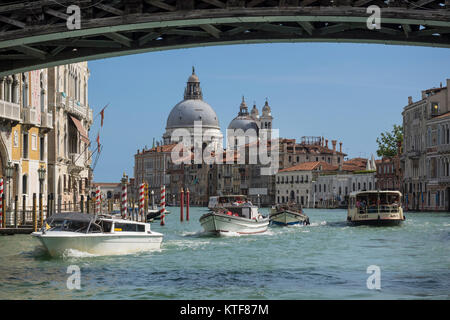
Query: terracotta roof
{"x": 163, "y": 148}
{"x": 309, "y": 166}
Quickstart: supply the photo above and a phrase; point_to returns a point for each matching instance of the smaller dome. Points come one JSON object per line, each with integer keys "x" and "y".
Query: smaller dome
{"x": 243, "y": 123}
{"x": 254, "y": 112}
{"x": 266, "y": 109}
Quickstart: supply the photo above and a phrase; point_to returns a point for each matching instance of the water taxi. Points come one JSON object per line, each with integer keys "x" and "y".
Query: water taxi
{"x": 375, "y": 207}
{"x": 242, "y": 219}
{"x": 288, "y": 214}
{"x": 99, "y": 235}
{"x": 225, "y": 201}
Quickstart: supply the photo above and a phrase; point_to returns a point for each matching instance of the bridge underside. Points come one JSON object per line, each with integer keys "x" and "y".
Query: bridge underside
{"x": 34, "y": 34}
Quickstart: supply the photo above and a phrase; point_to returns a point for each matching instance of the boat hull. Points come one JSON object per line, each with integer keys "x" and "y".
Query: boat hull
{"x": 220, "y": 223}
{"x": 286, "y": 218}
{"x": 377, "y": 222}
{"x": 57, "y": 243}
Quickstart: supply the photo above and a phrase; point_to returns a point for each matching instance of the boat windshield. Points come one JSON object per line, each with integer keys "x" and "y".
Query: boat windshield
{"x": 376, "y": 202}
{"x": 69, "y": 225}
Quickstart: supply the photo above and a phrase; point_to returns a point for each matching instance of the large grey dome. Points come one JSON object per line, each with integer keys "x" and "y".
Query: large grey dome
{"x": 244, "y": 123}
{"x": 187, "y": 111}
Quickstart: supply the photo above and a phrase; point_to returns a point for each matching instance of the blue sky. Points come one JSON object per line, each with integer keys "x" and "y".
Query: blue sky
{"x": 347, "y": 92}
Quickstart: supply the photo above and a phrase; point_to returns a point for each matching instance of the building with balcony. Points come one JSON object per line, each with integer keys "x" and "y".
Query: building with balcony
{"x": 69, "y": 157}
{"x": 426, "y": 153}
{"x": 25, "y": 122}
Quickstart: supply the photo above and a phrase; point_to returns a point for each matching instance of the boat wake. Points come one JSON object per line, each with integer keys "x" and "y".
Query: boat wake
{"x": 317, "y": 224}
{"x": 73, "y": 253}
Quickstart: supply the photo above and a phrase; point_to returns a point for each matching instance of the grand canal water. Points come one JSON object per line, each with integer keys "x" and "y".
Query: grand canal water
{"x": 326, "y": 260}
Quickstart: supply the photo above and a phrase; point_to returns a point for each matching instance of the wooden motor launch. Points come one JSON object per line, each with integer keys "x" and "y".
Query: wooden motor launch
{"x": 288, "y": 214}
{"x": 241, "y": 217}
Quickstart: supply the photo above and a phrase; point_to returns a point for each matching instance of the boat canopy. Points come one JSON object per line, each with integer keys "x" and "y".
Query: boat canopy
{"x": 74, "y": 216}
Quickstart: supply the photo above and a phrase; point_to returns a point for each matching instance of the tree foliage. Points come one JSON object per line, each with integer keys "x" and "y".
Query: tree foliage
{"x": 388, "y": 142}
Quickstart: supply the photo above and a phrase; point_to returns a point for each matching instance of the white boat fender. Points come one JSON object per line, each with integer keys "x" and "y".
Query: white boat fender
{"x": 258, "y": 218}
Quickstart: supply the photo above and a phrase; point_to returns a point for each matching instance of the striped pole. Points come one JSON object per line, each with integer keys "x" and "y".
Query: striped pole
{"x": 162, "y": 211}
{"x": 124, "y": 205}
{"x": 141, "y": 202}
{"x": 187, "y": 204}
{"x": 97, "y": 200}
{"x": 1, "y": 202}
{"x": 181, "y": 204}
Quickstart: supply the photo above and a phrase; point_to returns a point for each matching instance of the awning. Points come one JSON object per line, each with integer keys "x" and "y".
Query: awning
{"x": 83, "y": 134}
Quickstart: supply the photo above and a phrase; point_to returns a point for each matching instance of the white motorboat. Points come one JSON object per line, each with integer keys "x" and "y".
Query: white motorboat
{"x": 375, "y": 208}
{"x": 99, "y": 235}
{"x": 288, "y": 215}
{"x": 242, "y": 219}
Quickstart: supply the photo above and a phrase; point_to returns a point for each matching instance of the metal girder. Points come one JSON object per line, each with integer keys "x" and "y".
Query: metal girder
{"x": 31, "y": 42}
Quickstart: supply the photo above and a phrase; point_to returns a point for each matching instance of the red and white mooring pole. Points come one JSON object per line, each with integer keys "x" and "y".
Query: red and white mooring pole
{"x": 162, "y": 211}
{"x": 141, "y": 202}
{"x": 97, "y": 200}
{"x": 124, "y": 206}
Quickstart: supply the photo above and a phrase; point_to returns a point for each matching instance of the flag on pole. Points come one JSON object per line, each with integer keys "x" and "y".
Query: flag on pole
{"x": 98, "y": 142}
{"x": 102, "y": 114}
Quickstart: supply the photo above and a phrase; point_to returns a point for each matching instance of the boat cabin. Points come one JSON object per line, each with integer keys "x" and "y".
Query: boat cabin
{"x": 220, "y": 201}
{"x": 87, "y": 223}
{"x": 248, "y": 212}
{"x": 375, "y": 201}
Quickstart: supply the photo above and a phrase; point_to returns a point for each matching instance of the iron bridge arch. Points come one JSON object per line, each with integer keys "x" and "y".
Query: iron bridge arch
{"x": 34, "y": 34}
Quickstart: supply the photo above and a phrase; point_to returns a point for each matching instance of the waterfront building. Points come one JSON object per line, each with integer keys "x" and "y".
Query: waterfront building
{"x": 25, "y": 123}
{"x": 389, "y": 174}
{"x": 310, "y": 149}
{"x": 152, "y": 167}
{"x": 333, "y": 189}
{"x": 426, "y": 152}
{"x": 293, "y": 184}
{"x": 70, "y": 174}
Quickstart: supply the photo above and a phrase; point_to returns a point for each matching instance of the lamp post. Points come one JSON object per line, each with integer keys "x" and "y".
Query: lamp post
{"x": 9, "y": 171}
{"x": 41, "y": 174}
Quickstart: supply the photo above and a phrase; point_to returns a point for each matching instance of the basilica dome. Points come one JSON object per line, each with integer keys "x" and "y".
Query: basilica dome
{"x": 192, "y": 108}
{"x": 243, "y": 121}
{"x": 187, "y": 111}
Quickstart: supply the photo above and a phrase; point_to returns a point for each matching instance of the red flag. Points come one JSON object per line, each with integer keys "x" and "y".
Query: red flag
{"x": 102, "y": 114}
{"x": 98, "y": 142}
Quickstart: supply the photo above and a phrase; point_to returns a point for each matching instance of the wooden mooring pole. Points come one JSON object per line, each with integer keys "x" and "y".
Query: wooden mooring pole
{"x": 41, "y": 211}
{"x": 24, "y": 208}
{"x": 4, "y": 212}
{"x": 34, "y": 213}
{"x": 16, "y": 210}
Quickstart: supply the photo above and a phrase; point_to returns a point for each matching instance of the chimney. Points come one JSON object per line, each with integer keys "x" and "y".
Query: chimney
{"x": 340, "y": 147}
{"x": 326, "y": 143}
{"x": 321, "y": 142}
{"x": 334, "y": 145}
{"x": 410, "y": 101}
